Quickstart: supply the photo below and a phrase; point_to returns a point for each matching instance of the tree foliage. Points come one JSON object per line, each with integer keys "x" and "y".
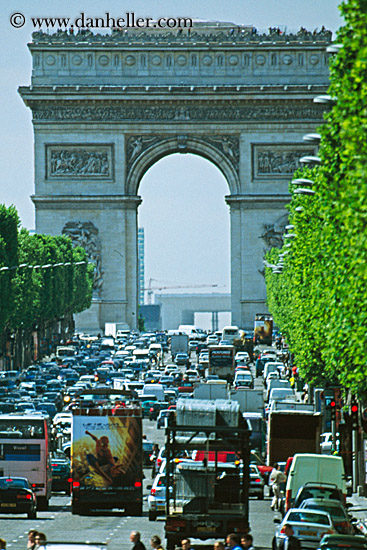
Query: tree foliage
{"x": 48, "y": 279}
{"x": 320, "y": 298}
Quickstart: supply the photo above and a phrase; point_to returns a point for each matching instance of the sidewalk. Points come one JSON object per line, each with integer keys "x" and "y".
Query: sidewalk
{"x": 359, "y": 506}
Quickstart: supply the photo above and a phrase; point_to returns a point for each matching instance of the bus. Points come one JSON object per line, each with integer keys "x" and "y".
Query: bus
{"x": 221, "y": 361}
{"x": 230, "y": 333}
{"x": 25, "y": 452}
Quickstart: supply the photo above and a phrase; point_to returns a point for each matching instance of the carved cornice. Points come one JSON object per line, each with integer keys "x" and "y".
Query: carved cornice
{"x": 195, "y": 36}
{"x": 178, "y": 111}
{"x": 257, "y": 202}
{"x": 93, "y": 202}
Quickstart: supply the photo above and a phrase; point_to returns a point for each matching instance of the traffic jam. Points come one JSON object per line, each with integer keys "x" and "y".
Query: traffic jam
{"x": 236, "y": 421}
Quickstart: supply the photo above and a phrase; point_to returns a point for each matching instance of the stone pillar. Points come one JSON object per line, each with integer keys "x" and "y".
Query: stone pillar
{"x": 249, "y": 215}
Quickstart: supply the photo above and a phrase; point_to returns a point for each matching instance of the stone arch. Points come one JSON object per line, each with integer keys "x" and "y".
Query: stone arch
{"x": 144, "y": 151}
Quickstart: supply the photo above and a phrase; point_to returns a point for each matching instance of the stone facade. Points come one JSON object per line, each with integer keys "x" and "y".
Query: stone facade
{"x": 105, "y": 108}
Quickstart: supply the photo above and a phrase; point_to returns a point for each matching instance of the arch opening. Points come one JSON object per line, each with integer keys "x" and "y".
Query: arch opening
{"x": 186, "y": 228}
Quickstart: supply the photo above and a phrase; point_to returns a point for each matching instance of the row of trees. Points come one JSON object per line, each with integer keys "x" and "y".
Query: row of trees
{"x": 319, "y": 300}
{"x": 42, "y": 278}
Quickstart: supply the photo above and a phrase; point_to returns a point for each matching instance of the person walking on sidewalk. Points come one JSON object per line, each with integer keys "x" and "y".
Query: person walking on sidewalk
{"x": 276, "y": 479}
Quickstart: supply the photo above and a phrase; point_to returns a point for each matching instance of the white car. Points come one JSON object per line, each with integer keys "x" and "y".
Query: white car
{"x": 212, "y": 339}
{"x": 192, "y": 375}
{"x": 157, "y": 497}
{"x": 242, "y": 357}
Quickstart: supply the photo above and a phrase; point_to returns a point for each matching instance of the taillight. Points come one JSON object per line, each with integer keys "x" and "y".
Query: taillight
{"x": 288, "y": 500}
{"x": 70, "y": 480}
{"x": 159, "y": 461}
{"x": 282, "y": 531}
{"x": 137, "y": 484}
{"x": 76, "y": 484}
{"x": 27, "y": 496}
{"x": 258, "y": 480}
{"x": 151, "y": 409}
{"x": 153, "y": 492}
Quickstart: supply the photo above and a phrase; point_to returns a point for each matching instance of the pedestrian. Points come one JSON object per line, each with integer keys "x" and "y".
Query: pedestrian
{"x": 135, "y": 538}
{"x": 233, "y": 541}
{"x": 247, "y": 542}
{"x": 40, "y": 540}
{"x": 31, "y": 543}
{"x": 186, "y": 544}
{"x": 219, "y": 545}
{"x": 276, "y": 479}
{"x": 155, "y": 542}
{"x": 153, "y": 459}
{"x": 2, "y": 544}
{"x": 290, "y": 542}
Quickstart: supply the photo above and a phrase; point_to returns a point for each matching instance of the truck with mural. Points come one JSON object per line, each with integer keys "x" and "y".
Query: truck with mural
{"x": 106, "y": 452}
{"x": 263, "y": 329}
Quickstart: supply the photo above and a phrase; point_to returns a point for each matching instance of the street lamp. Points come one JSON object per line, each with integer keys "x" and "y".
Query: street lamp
{"x": 302, "y": 181}
{"x": 289, "y": 227}
{"x": 304, "y": 191}
{"x": 328, "y": 99}
{"x": 299, "y": 209}
{"x": 334, "y": 48}
{"x": 312, "y": 138}
{"x": 290, "y": 235}
{"x": 312, "y": 160}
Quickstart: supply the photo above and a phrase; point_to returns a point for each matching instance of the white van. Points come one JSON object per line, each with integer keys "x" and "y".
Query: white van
{"x": 309, "y": 468}
{"x": 154, "y": 389}
{"x": 193, "y": 332}
{"x": 271, "y": 366}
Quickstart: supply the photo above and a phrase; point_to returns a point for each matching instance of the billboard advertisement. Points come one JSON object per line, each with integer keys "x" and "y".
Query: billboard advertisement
{"x": 106, "y": 451}
{"x": 263, "y": 329}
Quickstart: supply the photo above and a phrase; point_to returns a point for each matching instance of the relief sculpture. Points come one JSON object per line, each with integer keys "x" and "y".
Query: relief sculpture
{"x": 85, "y": 234}
{"x": 78, "y": 162}
{"x": 278, "y": 162}
{"x": 273, "y": 232}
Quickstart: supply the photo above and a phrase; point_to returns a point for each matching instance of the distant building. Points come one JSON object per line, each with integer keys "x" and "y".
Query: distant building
{"x": 141, "y": 265}
{"x": 152, "y": 317}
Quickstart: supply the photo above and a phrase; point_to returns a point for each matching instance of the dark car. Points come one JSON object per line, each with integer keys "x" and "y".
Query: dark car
{"x": 61, "y": 477}
{"x": 48, "y": 408}
{"x": 156, "y": 408}
{"x": 318, "y": 490}
{"x": 340, "y": 542}
{"x": 147, "y": 452}
{"x": 337, "y": 511}
{"x": 17, "y": 497}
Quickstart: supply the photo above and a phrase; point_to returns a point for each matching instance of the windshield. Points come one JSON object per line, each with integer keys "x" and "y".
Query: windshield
{"x": 22, "y": 429}
{"x": 309, "y": 517}
{"x": 8, "y": 483}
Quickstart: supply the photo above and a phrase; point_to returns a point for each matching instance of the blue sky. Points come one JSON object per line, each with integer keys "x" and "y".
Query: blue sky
{"x": 185, "y": 218}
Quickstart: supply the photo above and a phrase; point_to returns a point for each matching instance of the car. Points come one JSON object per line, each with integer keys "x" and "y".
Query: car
{"x": 318, "y": 490}
{"x": 309, "y": 527}
{"x": 193, "y": 344}
{"x": 146, "y": 406}
{"x": 264, "y": 470}
{"x": 156, "y": 408}
{"x": 243, "y": 380}
{"x": 182, "y": 359}
{"x": 212, "y": 339}
{"x": 147, "y": 453}
{"x": 17, "y": 497}
{"x": 61, "y": 476}
{"x": 257, "y": 482}
{"x": 326, "y": 443}
{"x": 192, "y": 376}
{"x": 225, "y": 343}
{"x": 336, "y": 510}
{"x": 157, "y": 497}
{"x": 163, "y": 417}
{"x": 340, "y": 542}
{"x": 167, "y": 380}
{"x": 242, "y": 356}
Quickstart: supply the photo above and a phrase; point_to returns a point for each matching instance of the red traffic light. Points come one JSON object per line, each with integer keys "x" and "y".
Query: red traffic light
{"x": 354, "y": 408}
{"x": 332, "y": 404}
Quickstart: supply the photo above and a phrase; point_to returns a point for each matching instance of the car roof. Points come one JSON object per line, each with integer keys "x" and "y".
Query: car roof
{"x": 350, "y": 541}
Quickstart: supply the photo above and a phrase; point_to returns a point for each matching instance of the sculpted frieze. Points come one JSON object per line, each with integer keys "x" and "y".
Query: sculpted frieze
{"x": 85, "y": 234}
{"x": 277, "y": 160}
{"x": 79, "y": 161}
{"x": 273, "y": 232}
{"x": 203, "y": 112}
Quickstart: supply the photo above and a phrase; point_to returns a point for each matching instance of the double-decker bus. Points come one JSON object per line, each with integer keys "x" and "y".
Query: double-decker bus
{"x": 221, "y": 361}
{"x": 24, "y": 452}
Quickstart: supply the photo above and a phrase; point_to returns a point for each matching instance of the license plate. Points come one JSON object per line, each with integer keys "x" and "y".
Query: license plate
{"x": 56, "y": 477}
{"x": 8, "y": 505}
{"x": 308, "y": 533}
{"x": 202, "y": 528}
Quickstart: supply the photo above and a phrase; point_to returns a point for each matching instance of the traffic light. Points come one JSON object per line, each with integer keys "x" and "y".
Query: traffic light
{"x": 354, "y": 415}
{"x": 333, "y": 410}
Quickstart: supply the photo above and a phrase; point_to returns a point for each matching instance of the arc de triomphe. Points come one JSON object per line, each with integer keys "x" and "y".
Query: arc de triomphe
{"x": 107, "y": 107}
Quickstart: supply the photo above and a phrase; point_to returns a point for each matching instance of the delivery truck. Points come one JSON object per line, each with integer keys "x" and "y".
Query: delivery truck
{"x": 290, "y": 432}
{"x": 106, "y": 452}
{"x": 179, "y": 344}
{"x": 208, "y": 495}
